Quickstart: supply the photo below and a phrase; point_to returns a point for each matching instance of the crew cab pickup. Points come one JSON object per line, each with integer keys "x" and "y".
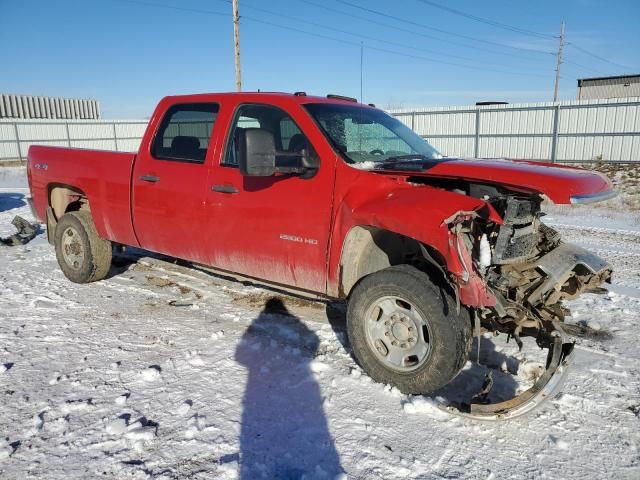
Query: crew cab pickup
{"x": 336, "y": 198}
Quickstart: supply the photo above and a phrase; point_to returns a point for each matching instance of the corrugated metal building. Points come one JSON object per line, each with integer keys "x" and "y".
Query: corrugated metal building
{"x": 621, "y": 86}
{"x": 29, "y": 107}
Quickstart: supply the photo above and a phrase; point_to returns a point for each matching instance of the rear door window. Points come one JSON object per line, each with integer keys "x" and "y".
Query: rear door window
{"x": 184, "y": 132}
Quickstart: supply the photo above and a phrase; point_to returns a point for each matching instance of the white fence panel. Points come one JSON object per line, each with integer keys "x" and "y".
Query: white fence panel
{"x": 16, "y": 136}
{"x": 569, "y": 131}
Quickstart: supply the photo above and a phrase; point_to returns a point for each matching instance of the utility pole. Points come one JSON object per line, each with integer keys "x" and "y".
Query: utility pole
{"x": 361, "y": 61}
{"x": 236, "y": 44}
{"x": 558, "y": 63}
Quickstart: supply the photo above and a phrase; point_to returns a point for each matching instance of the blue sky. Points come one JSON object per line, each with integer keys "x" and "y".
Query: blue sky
{"x": 129, "y": 53}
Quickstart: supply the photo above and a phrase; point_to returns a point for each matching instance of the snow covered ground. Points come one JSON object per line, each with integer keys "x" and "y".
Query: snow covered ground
{"x": 167, "y": 371}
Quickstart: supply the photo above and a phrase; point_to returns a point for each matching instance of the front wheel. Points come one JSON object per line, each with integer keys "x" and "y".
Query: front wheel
{"x": 82, "y": 255}
{"x": 406, "y": 332}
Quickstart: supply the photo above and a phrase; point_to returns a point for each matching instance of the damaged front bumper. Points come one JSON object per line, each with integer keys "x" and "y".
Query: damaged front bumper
{"x": 546, "y": 387}
{"x": 569, "y": 271}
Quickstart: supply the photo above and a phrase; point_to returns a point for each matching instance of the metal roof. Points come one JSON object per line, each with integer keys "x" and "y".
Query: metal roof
{"x": 616, "y": 77}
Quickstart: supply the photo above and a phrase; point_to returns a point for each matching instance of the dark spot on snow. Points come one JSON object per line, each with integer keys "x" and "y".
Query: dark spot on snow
{"x": 88, "y": 401}
{"x": 133, "y": 462}
{"x": 635, "y": 409}
{"x": 388, "y": 448}
{"x": 156, "y": 367}
{"x": 8, "y": 366}
{"x": 9, "y": 392}
{"x": 151, "y": 423}
{"x": 126, "y": 417}
{"x": 179, "y": 303}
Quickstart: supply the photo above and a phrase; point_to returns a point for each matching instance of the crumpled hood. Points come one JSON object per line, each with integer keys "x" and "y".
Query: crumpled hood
{"x": 561, "y": 184}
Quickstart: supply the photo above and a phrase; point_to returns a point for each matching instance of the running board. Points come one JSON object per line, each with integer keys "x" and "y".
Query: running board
{"x": 547, "y": 386}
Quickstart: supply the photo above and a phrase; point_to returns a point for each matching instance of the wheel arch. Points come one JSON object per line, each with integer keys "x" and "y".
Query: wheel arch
{"x": 367, "y": 249}
{"x": 63, "y": 198}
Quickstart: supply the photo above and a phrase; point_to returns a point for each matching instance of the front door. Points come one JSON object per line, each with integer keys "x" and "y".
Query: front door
{"x": 170, "y": 183}
{"x": 273, "y": 228}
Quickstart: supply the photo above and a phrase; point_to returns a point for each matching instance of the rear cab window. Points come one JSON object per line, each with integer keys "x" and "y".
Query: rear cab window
{"x": 184, "y": 132}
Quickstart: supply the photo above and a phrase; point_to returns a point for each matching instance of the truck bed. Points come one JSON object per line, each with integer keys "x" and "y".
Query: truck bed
{"x": 101, "y": 175}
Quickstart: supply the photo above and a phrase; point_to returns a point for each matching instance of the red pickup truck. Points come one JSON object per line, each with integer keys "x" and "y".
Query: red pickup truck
{"x": 332, "y": 197}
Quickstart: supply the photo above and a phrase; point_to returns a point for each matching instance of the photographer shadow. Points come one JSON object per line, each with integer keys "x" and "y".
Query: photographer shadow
{"x": 284, "y": 431}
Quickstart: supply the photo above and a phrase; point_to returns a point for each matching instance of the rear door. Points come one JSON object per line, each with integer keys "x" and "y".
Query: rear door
{"x": 170, "y": 182}
{"x": 273, "y": 228}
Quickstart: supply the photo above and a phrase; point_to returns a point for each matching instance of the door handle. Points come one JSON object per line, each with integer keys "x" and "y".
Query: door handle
{"x": 224, "y": 189}
{"x": 150, "y": 178}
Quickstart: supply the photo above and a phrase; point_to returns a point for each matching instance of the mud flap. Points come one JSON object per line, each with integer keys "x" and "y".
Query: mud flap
{"x": 547, "y": 386}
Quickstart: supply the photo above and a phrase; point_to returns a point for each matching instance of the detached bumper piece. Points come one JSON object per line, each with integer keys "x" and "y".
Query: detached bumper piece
{"x": 26, "y": 233}
{"x": 547, "y": 386}
{"x": 570, "y": 270}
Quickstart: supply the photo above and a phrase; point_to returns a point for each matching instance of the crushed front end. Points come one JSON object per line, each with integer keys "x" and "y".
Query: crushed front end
{"x": 515, "y": 274}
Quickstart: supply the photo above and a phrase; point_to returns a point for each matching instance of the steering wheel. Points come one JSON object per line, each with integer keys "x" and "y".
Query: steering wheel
{"x": 377, "y": 151}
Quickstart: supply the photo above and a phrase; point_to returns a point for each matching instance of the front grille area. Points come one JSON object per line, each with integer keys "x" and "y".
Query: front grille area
{"x": 515, "y": 243}
{"x": 518, "y": 238}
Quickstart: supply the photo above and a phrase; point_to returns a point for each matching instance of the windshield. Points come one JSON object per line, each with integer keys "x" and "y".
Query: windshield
{"x": 364, "y": 135}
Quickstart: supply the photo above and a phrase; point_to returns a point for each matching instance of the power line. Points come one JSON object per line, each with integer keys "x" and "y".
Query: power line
{"x": 424, "y": 35}
{"x": 583, "y": 67}
{"x": 430, "y": 27}
{"x": 597, "y": 56}
{"x": 361, "y": 36}
{"x": 326, "y": 37}
{"x": 515, "y": 29}
{"x": 173, "y": 7}
{"x": 487, "y": 21}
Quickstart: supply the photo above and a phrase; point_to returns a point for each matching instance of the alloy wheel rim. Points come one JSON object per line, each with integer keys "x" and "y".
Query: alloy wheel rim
{"x": 397, "y": 333}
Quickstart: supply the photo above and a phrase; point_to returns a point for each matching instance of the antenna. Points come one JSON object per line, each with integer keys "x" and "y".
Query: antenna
{"x": 361, "y": 62}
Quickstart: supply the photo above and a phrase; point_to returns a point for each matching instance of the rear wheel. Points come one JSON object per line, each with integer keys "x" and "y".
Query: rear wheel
{"x": 405, "y": 331}
{"x": 82, "y": 255}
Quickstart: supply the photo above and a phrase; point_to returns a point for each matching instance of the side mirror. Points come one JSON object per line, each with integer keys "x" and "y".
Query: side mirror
{"x": 256, "y": 153}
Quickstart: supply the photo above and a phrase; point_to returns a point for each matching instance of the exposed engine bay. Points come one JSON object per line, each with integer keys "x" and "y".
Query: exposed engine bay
{"x": 530, "y": 270}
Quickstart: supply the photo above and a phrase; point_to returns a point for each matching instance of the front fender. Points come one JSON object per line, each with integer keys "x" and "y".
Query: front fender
{"x": 419, "y": 212}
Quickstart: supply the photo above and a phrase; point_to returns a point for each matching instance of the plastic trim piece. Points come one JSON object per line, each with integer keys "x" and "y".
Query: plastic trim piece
{"x": 593, "y": 197}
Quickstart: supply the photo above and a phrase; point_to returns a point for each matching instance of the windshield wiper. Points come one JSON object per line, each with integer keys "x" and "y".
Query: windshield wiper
{"x": 413, "y": 161}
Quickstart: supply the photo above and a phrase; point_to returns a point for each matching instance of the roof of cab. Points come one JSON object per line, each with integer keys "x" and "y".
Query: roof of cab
{"x": 300, "y": 98}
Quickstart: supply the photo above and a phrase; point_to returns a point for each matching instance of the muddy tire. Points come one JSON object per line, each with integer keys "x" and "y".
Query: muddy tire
{"x": 405, "y": 331}
{"x": 82, "y": 255}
